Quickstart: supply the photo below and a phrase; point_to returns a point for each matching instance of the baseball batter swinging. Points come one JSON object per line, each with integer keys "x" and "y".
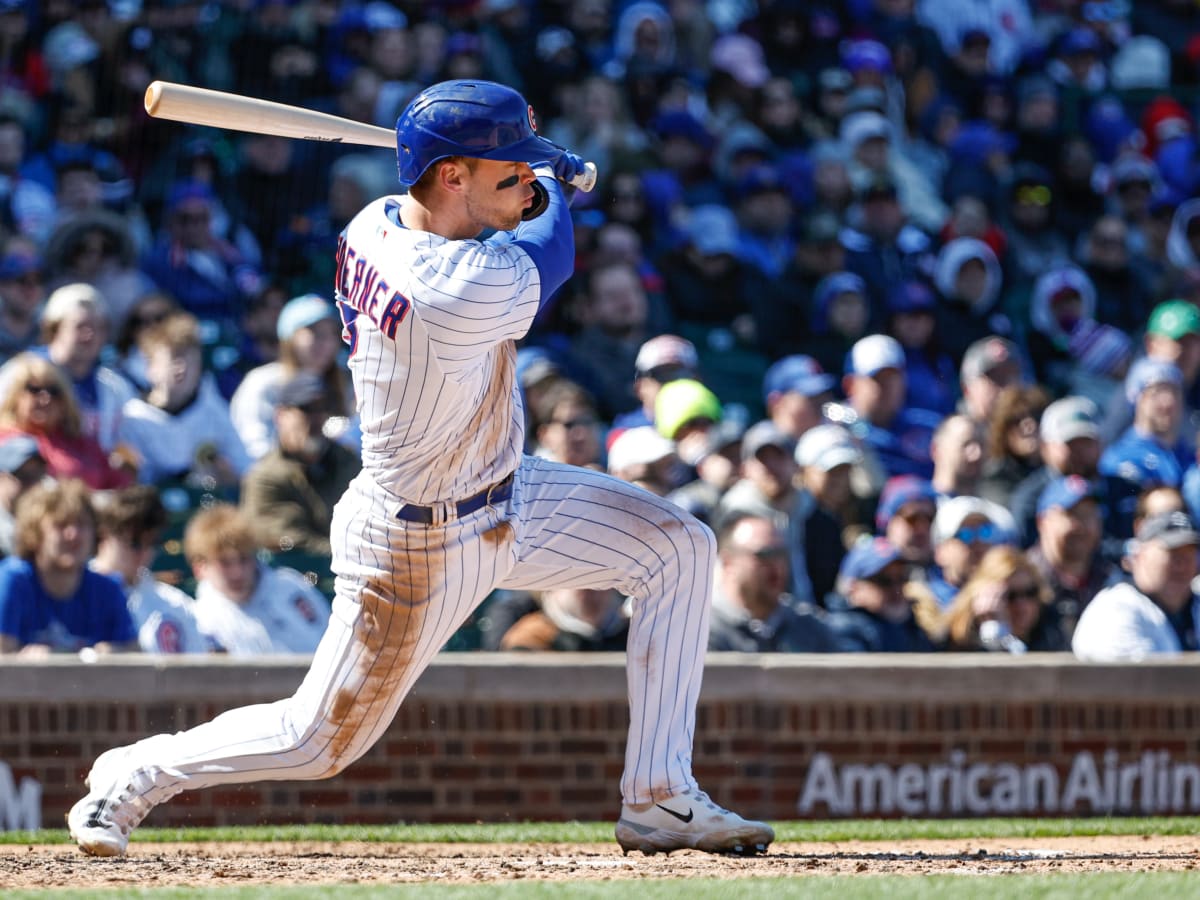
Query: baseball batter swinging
{"x": 447, "y": 507}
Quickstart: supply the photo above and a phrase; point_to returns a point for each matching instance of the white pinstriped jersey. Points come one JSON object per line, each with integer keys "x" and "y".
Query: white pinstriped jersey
{"x": 431, "y": 324}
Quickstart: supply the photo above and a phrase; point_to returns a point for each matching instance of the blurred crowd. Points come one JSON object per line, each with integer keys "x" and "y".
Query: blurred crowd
{"x": 901, "y": 297}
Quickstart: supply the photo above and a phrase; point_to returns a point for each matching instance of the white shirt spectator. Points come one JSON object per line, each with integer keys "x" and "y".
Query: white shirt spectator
{"x": 167, "y": 444}
{"x": 1007, "y": 22}
{"x": 1122, "y": 624}
{"x": 285, "y": 614}
{"x": 252, "y": 409}
{"x": 164, "y": 620}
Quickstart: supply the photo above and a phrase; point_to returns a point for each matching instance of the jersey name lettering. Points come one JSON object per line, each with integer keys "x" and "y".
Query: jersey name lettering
{"x": 360, "y": 287}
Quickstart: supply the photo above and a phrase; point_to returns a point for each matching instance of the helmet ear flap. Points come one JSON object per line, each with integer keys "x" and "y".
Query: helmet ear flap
{"x": 540, "y": 202}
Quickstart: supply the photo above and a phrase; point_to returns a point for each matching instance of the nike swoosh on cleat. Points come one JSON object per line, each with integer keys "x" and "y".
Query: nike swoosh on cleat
{"x": 682, "y": 818}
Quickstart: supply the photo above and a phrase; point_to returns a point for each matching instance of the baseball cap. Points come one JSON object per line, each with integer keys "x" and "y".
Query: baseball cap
{"x": 301, "y": 390}
{"x": 534, "y": 364}
{"x": 1134, "y": 167}
{"x": 868, "y": 558}
{"x": 723, "y": 436}
{"x": 680, "y": 401}
{"x": 742, "y": 57}
{"x": 17, "y": 450}
{"x": 835, "y": 78}
{"x": 1070, "y": 418}
{"x": 766, "y": 434}
{"x": 953, "y": 512}
{"x": 798, "y": 373}
{"x": 1066, "y": 492}
{"x": 898, "y": 491}
{"x": 1174, "y": 529}
{"x": 69, "y": 297}
{"x": 1174, "y": 319}
{"x": 18, "y": 263}
{"x": 713, "y": 229}
{"x": 826, "y": 447}
{"x": 759, "y": 179}
{"x": 302, "y": 312}
{"x": 909, "y": 297}
{"x": 666, "y": 350}
{"x": 863, "y": 126}
{"x": 640, "y": 445}
{"x": 834, "y": 284}
{"x": 986, "y": 355}
{"x": 1147, "y": 372}
{"x": 866, "y": 54}
{"x": 874, "y": 353}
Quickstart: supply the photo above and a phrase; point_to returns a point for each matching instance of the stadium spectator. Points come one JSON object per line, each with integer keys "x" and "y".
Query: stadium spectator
{"x": 1012, "y": 443}
{"x": 572, "y": 620}
{"x": 570, "y": 426}
{"x": 1150, "y": 450}
{"x": 957, "y": 451}
{"x": 309, "y": 333}
{"x": 752, "y": 610}
{"x": 1068, "y": 549}
{"x": 1156, "y": 613}
{"x": 717, "y": 463}
{"x": 1004, "y": 607}
{"x": 870, "y": 612}
{"x": 22, "y": 293}
{"x": 39, "y": 401}
{"x": 1173, "y": 335}
{"x": 930, "y": 371}
{"x": 825, "y": 455}
{"x": 795, "y": 390}
{"x": 969, "y": 283}
{"x": 249, "y": 608}
{"x": 21, "y": 468}
{"x": 642, "y": 456}
{"x": 74, "y": 333}
{"x": 289, "y": 493}
{"x": 989, "y": 366}
{"x": 964, "y": 529}
{"x": 841, "y": 315}
{"x": 50, "y": 602}
{"x": 129, "y": 530}
{"x": 660, "y": 360}
{"x": 684, "y": 412}
{"x": 904, "y": 516}
{"x": 181, "y": 426}
{"x": 875, "y": 387}
{"x": 768, "y": 469}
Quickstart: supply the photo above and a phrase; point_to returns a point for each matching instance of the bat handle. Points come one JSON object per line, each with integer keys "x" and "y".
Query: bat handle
{"x": 586, "y": 180}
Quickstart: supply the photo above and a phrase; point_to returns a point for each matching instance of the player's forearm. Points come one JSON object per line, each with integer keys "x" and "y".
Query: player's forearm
{"x": 549, "y": 239}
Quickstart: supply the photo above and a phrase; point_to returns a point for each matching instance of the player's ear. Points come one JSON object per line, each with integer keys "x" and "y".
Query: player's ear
{"x": 451, "y": 174}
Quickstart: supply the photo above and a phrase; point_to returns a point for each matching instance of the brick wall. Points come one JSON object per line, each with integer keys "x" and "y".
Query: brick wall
{"x": 497, "y": 737}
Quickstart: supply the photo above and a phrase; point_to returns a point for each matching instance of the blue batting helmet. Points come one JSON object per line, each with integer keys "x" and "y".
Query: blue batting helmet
{"x": 482, "y": 119}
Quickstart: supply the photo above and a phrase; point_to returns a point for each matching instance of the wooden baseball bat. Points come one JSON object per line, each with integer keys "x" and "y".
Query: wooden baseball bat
{"x": 219, "y": 109}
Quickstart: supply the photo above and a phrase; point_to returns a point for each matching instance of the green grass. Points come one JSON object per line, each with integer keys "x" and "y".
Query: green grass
{"x": 601, "y": 832}
{"x": 1161, "y": 886}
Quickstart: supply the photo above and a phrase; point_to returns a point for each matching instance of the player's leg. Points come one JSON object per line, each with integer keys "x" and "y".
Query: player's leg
{"x": 401, "y": 593}
{"x": 580, "y": 528}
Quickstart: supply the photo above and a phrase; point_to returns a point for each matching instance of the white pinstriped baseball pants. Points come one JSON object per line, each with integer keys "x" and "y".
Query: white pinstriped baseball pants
{"x": 403, "y": 590}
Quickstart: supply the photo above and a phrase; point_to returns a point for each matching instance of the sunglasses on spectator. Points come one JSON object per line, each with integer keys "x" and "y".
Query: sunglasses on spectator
{"x": 1012, "y": 595}
{"x": 985, "y": 533}
{"x": 50, "y": 390}
{"x": 889, "y": 581}
{"x": 916, "y": 515}
{"x": 663, "y": 374}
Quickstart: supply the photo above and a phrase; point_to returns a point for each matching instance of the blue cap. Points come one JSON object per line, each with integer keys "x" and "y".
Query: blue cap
{"x": 183, "y": 191}
{"x": 798, "y": 373}
{"x": 866, "y": 54}
{"x": 302, "y": 312}
{"x": 534, "y": 364}
{"x": 868, "y": 558}
{"x": 1080, "y": 40}
{"x": 977, "y": 140}
{"x": 18, "y": 263}
{"x": 899, "y": 490}
{"x": 910, "y": 296}
{"x": 1147, "y": 372}
{"x": 681, "y": 123}
{"x": 759, "y": 179}
{"x": 1066, "y": 492}
{"x": 838, "y": 283}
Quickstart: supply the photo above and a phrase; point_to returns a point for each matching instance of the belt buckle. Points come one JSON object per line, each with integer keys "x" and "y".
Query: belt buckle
{"x": 499, "y": 485}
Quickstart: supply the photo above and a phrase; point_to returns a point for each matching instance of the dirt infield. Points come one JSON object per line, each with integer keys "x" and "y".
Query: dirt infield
{"x": 202, "y": 864}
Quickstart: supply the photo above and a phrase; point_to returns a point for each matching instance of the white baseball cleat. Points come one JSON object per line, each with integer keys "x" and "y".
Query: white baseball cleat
{"x": 690, "y": 821}
{"x": 100, "y": 823}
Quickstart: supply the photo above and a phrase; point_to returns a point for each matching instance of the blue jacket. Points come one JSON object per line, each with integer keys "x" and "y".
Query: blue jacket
{"x": 1143, "y": 460}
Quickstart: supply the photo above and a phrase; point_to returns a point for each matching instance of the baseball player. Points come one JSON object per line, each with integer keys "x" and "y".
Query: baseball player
{"x": 447, "y": 507}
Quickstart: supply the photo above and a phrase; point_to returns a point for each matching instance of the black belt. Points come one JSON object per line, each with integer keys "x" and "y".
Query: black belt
{"x": 497, "y": 493}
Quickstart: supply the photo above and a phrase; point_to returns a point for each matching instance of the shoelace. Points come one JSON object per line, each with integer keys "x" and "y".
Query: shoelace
{"x": 702, "y": 797}
{"x": 124, "y": 809}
